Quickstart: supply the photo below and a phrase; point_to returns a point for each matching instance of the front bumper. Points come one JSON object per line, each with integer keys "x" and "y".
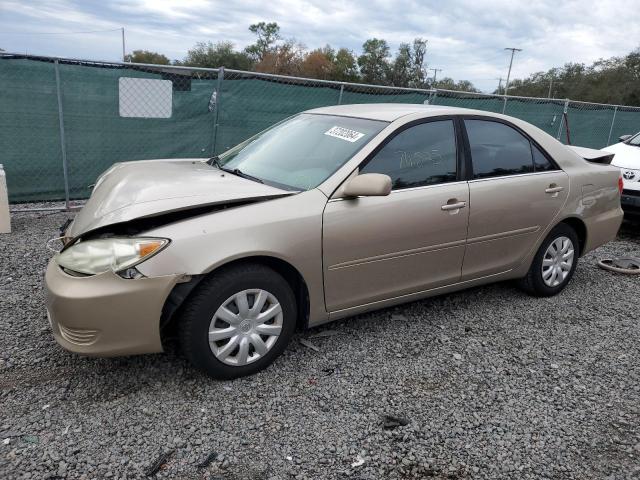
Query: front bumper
{"x": 630, "y": 201}
{"x": 106, "y": 315}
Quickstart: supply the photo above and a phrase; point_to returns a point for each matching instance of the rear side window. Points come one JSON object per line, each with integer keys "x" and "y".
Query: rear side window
{"x": 497, "y": 149}
{"x": 424, "y": 154}
{"x": 540, "y": 162}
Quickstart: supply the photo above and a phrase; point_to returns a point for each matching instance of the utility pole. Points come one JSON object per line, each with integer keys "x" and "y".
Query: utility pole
{"x": 513, "y": 51}
{"x": 435, "y": 74}
{"x": 123, "y": 49}
{"x": 499, "y": 84}
{"x": 550, "y": 87}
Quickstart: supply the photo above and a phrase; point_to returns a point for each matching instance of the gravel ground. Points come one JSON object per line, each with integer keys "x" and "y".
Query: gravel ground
{"x": 491, "y": 383}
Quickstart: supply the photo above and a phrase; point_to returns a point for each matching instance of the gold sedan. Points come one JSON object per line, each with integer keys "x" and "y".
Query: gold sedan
{"x": 330, "y": 213}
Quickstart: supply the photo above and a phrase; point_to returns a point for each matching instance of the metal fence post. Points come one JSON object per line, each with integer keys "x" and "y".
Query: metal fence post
{"x": 504, "y": 104}
{"x": 613, "y": 120}
{"x": 564, "y": 114}
{"x": 217, "y": 109}
{"x": 341, "y": 92}
{"x": 63, "y": 147}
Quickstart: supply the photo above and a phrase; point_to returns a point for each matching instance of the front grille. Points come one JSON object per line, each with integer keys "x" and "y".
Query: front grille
{"x": 631, "y": 193}
{"x": 78, "y": 336}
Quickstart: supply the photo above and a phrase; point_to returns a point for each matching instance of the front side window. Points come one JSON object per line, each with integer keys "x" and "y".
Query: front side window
{"x": 302, "y": 152}
{"x": 424, "y": 154}
{"x": 497, "y": 149}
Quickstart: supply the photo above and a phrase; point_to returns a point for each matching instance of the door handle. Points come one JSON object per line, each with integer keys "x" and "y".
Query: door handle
{"x": 454, "y": 206}
{"x": 553, "y": 189}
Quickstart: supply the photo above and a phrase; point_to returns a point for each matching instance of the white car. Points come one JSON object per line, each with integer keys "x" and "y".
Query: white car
{"x": 627, "y": 158}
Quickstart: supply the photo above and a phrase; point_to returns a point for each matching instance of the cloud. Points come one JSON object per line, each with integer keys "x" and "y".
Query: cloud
{"x": 466, "y": 37}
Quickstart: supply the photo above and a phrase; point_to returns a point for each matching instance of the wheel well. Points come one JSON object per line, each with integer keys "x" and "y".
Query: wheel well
{"x": 290, "y": 274}
{"x": 182, "y": 291}
{"x": 581, "y": 231}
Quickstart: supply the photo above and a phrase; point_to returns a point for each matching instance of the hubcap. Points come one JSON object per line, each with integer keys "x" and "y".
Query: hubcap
{"x": 557, "y": 261}
{"x": 245, "y": 327}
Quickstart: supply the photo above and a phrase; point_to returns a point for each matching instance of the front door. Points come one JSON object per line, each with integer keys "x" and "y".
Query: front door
{"x": 376, "y": 248}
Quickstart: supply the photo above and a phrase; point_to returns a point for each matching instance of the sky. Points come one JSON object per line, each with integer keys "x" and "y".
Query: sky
{"x": 466, "y": 38}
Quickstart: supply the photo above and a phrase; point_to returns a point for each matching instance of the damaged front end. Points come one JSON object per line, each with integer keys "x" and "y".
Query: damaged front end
{"x": 100, "y": 250}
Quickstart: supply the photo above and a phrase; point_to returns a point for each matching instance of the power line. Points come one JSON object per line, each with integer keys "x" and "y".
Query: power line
{"x": 60, "y": 33}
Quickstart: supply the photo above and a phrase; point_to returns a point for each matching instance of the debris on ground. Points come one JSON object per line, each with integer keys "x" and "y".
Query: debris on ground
{"x": 359, "y": 462}
{"x": 309, "y": 344}
{"x": 162, "y": 459}
{"x": 208, "y": 460}
{"x": 331, "y": 370}
{"x": 389, "y": 422}
{"x": 30, "y": 439}
{"x": 628, "y": 265}
{"x": 325, "y": 333}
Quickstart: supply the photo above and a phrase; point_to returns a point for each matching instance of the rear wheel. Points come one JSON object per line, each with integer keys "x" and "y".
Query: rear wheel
{"x": 238, "y": 321}
{"x": 554, "y": 263}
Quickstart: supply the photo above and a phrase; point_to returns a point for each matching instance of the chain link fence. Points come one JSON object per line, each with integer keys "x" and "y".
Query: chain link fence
{"x": 63, "y": 121}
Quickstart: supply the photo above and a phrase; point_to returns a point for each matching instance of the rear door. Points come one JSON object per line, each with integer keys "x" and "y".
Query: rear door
{"x": 515, "y": 192}
{"x": 375, "y": 248}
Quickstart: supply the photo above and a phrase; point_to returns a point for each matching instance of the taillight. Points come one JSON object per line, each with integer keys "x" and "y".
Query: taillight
{"x": 620, "y": 184}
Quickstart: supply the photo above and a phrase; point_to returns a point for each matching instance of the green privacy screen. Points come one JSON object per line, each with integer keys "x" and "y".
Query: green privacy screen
{"x": 110, "y": 113}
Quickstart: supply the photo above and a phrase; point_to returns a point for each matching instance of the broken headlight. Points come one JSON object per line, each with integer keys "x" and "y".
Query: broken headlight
{"x": 104, "y": 254}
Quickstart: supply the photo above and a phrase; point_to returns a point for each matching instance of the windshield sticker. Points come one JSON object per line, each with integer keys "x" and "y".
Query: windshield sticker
{"x": 344, "y": 134}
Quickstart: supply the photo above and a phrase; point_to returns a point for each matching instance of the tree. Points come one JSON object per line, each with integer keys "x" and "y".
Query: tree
{"x": 345, "y": 66}
{"x": 285, "y": 59}
{"x": 465, "y": 86}
{"x": 318, "y": 63}
{"x": 373, "y": 62}
{"x": 401, "y": 70}
{"x": 268, "y": 34}
{"x": 613, "y": 80}
{"x": 448, "y": 83}
{"x": 271, "y": 54}
{"x": 418, "y": 67}
{"x": 221, "y": 54}
{"x": 407, "y": 68}
{"x": 145, "y": 56}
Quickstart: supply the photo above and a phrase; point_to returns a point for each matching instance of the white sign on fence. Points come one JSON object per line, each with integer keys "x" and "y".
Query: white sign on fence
{"x": 145, "y": 97}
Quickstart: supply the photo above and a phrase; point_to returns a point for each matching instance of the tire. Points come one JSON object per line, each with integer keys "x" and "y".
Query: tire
{"x": 224, "y": 304}
{"x": 541, "y": 283}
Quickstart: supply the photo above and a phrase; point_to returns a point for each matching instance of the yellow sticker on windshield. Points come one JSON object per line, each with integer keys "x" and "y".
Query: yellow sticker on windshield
{"x": 344, "y": 134}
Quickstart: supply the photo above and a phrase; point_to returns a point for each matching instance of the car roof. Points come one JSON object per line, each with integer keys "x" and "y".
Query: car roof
{"x": 389, "y": 112}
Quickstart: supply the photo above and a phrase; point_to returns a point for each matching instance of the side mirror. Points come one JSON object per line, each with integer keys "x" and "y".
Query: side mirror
{"x": 368, "y": 185}
{"x": 624, "y": 138}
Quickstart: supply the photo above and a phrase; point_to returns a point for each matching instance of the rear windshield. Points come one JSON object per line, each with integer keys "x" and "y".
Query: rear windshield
{"x": 303, "y": 151}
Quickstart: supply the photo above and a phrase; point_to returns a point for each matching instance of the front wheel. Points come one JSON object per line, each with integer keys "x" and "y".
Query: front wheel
{"x": 554, "y": 263}
{"x": 238, "y": 321}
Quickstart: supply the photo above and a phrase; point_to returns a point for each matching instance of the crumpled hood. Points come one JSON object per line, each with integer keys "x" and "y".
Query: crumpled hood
{"x": 147, "y": 188}
{"x": 626, "y": 156}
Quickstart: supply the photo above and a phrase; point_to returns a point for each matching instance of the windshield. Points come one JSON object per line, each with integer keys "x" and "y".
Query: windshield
{"x": 301, "y": 152}
{"x": 635, "y": 141}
